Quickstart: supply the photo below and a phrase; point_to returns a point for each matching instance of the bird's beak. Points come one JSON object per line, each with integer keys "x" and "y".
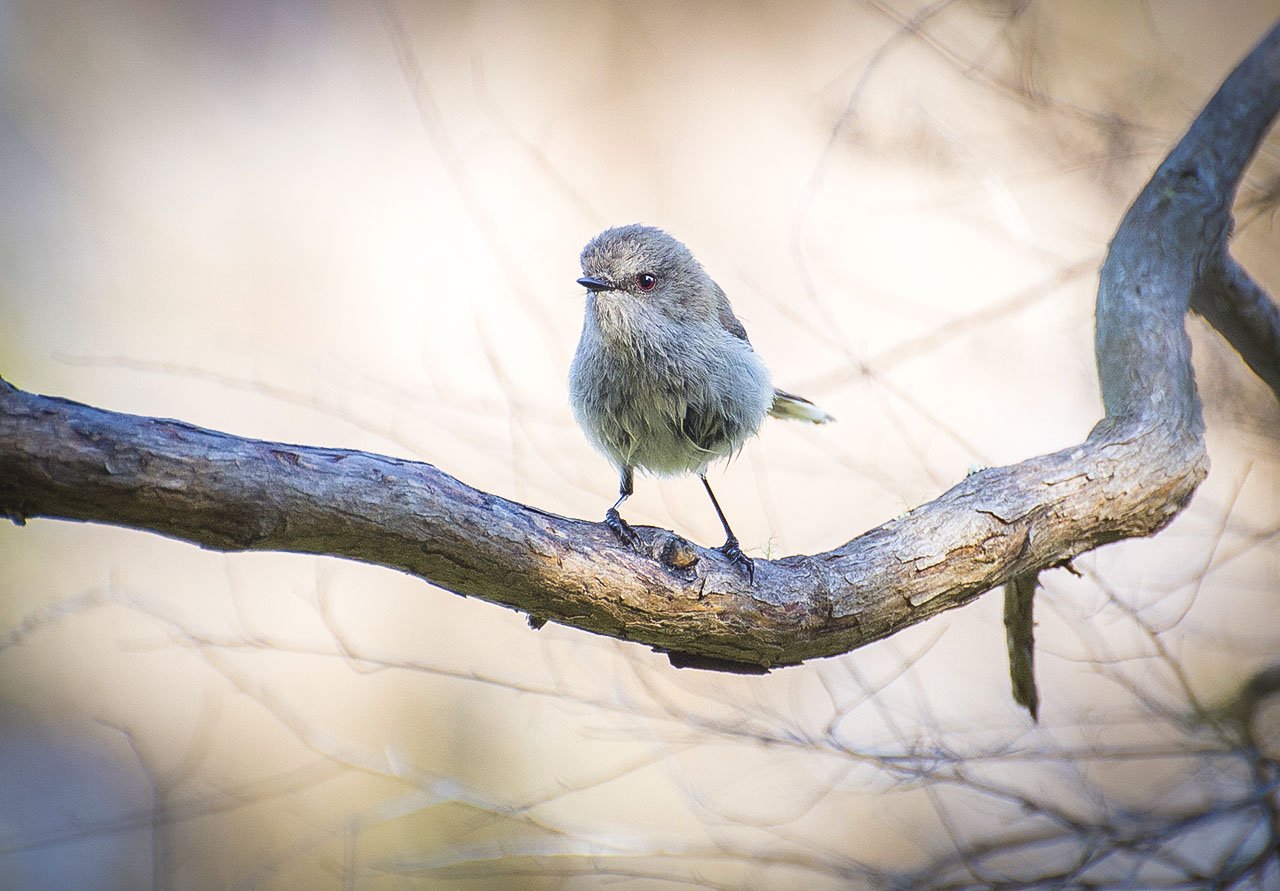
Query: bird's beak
{"x": 591, "y": 283}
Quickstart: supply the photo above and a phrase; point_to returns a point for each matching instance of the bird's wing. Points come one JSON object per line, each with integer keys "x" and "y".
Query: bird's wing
{"x": 728, "y": 320}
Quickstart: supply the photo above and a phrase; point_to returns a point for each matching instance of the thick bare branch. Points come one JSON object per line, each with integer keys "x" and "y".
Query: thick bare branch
{"x": 1136, "y": 470}
{"x": 1215, "y": 151}
{"x": 71, "y": 461}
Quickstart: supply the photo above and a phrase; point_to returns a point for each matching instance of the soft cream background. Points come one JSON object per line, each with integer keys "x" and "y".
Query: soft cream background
{"x": 357, "y": 225}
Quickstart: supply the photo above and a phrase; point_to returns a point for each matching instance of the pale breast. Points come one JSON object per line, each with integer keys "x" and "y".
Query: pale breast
{"x": 668, "y": 402}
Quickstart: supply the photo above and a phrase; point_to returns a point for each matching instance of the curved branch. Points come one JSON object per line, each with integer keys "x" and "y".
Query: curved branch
{"x": 1136, "y": 470}
{"x": 1215, "y": 151}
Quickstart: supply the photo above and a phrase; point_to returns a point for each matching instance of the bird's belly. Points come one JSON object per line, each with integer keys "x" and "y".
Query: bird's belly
{"x": 668, "y": 425}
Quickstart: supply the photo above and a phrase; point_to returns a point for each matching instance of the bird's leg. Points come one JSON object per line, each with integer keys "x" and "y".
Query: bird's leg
{"x": 730, "y": 548}
{"x": 614, "y": 520}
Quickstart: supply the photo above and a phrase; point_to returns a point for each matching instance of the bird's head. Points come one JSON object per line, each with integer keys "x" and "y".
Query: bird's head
{"x": 645, "y": 266}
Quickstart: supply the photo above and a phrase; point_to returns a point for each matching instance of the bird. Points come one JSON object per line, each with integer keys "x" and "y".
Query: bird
{"x": 664, "y": 378}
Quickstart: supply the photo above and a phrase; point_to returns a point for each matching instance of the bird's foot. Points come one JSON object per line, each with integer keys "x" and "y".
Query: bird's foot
{"x": 731, "y": 550}
{"x": 622, "y": 529}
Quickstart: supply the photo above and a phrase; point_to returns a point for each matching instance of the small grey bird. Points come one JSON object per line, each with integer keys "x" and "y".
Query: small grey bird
{"x": 664, "y": 378}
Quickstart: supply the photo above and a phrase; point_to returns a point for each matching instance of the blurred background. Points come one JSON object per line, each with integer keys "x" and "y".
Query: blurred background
{"x": 357, "y": 225}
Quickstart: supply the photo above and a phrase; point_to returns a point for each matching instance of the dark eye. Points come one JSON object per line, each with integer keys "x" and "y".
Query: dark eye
{"x": 646, "y": 281}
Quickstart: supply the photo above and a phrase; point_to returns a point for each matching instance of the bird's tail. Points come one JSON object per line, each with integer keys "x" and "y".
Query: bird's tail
{"x": 797, "y": 408}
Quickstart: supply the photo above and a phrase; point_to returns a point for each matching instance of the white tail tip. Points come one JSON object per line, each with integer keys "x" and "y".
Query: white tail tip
{"x": 797, "y": 408}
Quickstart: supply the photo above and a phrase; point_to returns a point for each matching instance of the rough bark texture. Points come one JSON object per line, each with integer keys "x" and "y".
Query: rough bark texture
{"x": 1136, "y": 470}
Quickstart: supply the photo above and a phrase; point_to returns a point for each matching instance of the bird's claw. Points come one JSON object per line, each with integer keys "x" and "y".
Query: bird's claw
{"x": 731, "y": 550}
{"x": 622, "y": 529}
{"x": 630, "y": 539}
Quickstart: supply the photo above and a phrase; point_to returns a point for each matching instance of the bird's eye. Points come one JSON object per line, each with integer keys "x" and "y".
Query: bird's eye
{"x": 646, "y": 281}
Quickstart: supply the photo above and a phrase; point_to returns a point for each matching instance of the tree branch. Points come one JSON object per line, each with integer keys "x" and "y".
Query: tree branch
{"x": 1245, "y": 315}
{"x": 1131, "y": 476}
{"x": 1020, "y": 636}
{"x": 1217, "y": 149}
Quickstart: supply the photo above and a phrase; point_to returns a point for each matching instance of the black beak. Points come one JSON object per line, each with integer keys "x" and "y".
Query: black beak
{"x": 591, "y": 283}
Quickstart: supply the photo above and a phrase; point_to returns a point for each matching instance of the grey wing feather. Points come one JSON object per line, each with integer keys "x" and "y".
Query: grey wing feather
{"x": 728, "y": 320}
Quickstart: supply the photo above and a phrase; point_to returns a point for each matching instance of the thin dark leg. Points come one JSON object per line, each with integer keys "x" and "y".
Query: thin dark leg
{"x": 730, "y": 548}
{"x": 614, "y": 520}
